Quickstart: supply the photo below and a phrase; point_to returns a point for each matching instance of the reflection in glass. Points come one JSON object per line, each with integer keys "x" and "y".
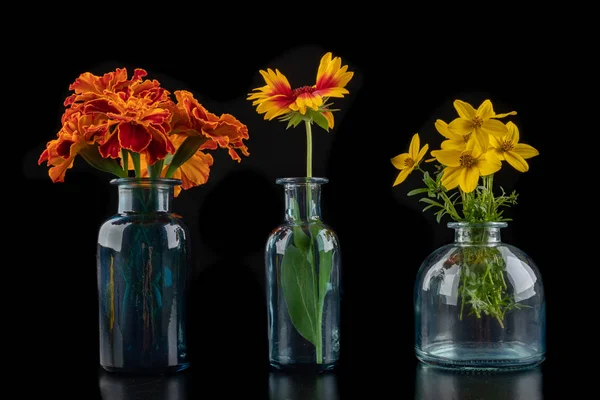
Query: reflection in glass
{"x": 297, "y": 386}
{"x": 433, "y": 383}
{"x": 128, "y": 387}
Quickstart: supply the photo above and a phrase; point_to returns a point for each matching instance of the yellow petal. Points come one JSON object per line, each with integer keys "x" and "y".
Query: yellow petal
{"x": 513, "y": 132}
{"x": 415, "y": 143}
{"x": 442, "y": 128}
{"x": 422, "y": 153}
{"x": 400, "y": 160}
{"x": 454, "y": 144}
{"x": 461, "y": 126}
{"x": 449, "y": 158}
{"x": 485, "y": 110}
{"x": 402, "y": 176}
{"x": 329, "y": 117}
{"x": 494, "y": 127}
{"x": 499, "y": 153}
{"x": 450, "y": 177}
{"x": 481, "y": 140}
{"x": 516, "y": 161}
{"x": 488, "y": 164}
{"x": 464, "y": 109}
{"x": 525, "y": 150}
{"x": 495, "y": 142}
{"x": 505, "y": 114}
{"x": 468, "y": 179}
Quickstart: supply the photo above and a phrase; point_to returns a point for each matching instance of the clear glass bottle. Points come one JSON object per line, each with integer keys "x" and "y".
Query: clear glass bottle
{"x": 303, "y": 267}
{"x": 143, "y": 266}
{"x": 479, "y": 303}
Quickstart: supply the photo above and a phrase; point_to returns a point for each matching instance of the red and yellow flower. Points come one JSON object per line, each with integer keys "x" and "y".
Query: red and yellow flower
{"x": 277, "y": 98}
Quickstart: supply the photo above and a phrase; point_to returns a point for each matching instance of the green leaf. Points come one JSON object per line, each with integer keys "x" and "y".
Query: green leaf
{"x": 135, "y": 157}
{"x": 320, "y": 120}
{"x": 301, "y": 239}
{"x": 417, "y": 191}
{"x": 155, "y": 169}
{"x": 298, "y": 286}
{"x": 294, "y": 120}
{"x": 429, "y": 201}
{"x": 92, "y": 156}
{"x": 325, "y": 265}
{"x": 125, "y": 160}
{"x": 188, "y": 148}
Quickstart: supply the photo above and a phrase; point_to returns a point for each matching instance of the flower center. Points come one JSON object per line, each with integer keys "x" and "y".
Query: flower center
{"x": 301, "y": 90}
{"x": 506, "y": 145}
{"x": 477, "y": 121}
{"x": 467, "y": 161}
{"x": 409, "y": 162}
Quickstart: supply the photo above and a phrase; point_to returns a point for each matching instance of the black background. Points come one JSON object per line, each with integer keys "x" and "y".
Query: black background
{"x": 404, "y": 80}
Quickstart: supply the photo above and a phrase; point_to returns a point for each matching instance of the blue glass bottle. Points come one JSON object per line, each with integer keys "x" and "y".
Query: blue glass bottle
{"x": 303, "y": 266}
{"x": 479, "y": 303}
{"x": 143, "y": 267}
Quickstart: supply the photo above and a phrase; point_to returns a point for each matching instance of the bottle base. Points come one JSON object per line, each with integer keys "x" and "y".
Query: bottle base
{"x": 147, "y": 371}
{"x": 303, "y": 368}
{"x": 481, "y": 357}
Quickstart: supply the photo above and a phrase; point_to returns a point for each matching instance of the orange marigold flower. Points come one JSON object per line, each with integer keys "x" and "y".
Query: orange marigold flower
{"x": 190, "y": 117}
{"x": 277, "y": 97}
{"x": 60, "y": 153}
{"x": 136, "y": 112}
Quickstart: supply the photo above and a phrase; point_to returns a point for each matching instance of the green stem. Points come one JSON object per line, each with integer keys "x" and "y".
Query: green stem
{"x": 308, "y": 149}
{"x": 125, "y": 157}
{"x": 319, "y": 338}
{"x": 453, "y": 211}
{"x": 135, "y": 157}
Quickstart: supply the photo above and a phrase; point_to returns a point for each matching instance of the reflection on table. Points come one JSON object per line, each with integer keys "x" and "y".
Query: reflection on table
{"x": 298, "y": 386}
{"x": 440, "y": 384}
{"x": 125, "y": 387}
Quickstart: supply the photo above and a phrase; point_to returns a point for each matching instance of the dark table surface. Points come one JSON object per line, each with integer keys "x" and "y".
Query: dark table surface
{"x": 409, "y": 381}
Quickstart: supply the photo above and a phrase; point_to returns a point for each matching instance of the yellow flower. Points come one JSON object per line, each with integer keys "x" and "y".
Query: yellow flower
{"x": 508, "y": 148}
{"x": 277, "y": 97}
{"x": 453, "y": 141}
{"x": 407, "y": 162}
{"x": 481, "y": 122}
{"x": 464, "y": 167}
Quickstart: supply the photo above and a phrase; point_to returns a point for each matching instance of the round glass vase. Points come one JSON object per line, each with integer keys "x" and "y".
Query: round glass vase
{"x": 143, "y": 267}
{"x": 479, "y": 303}
{"x": 303, "y": 267}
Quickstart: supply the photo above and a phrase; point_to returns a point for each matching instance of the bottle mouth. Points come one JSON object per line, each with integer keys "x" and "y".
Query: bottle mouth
{"x": 145, "y": 182}
{"x": 301, "y": 180}
{"x": 457, "y": 225}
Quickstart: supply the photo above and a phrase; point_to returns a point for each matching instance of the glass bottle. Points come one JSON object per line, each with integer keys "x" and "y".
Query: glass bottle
{"x": 303, "y": 267}
{"x": 143, "y": 267}
{"x": 479, "y": 303}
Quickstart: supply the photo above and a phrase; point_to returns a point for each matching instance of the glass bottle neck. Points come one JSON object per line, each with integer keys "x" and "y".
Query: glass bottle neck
{"x": 145, "y": 196}
{"x": 302, "y": 201}
{"x": 483, "y": 233}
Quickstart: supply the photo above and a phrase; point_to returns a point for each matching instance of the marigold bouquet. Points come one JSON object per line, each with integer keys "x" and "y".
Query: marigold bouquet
{"x": 461, "y": 186}
{"x": 131, "y": 126}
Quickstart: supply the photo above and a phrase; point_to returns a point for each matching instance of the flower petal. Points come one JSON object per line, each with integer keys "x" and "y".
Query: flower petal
{"x": 516, "y": 161}
{"x": 494, "y": 127}
{"x": 461, "y": 126}
{"x": 525, "y": 150}
{"x": 504, "y": 114}
{"x": 513, "y": 132}
{"x": 464, "y": 110}
{"x": 331, "y": 74}
{"x": 488, "y": 164}
{"x": 449, "y": 158}
{"x": 454, "y": 145}
{"x": 421, "y": 153}
{"x": 329, "y": 117}
{"x": 111, "y": 146}
{"x": 402, "y": 176}
{"x": 480, "y": 139}
{"x": 468, "y": 179}
{"x": 485, "y": 110}
{"x": 400, "y": 160}
{"x": 450, "y": 177}
{"x": 415, "y": 144}
{"x": 133, "y": 137}
{"x": 442, "y": 128}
